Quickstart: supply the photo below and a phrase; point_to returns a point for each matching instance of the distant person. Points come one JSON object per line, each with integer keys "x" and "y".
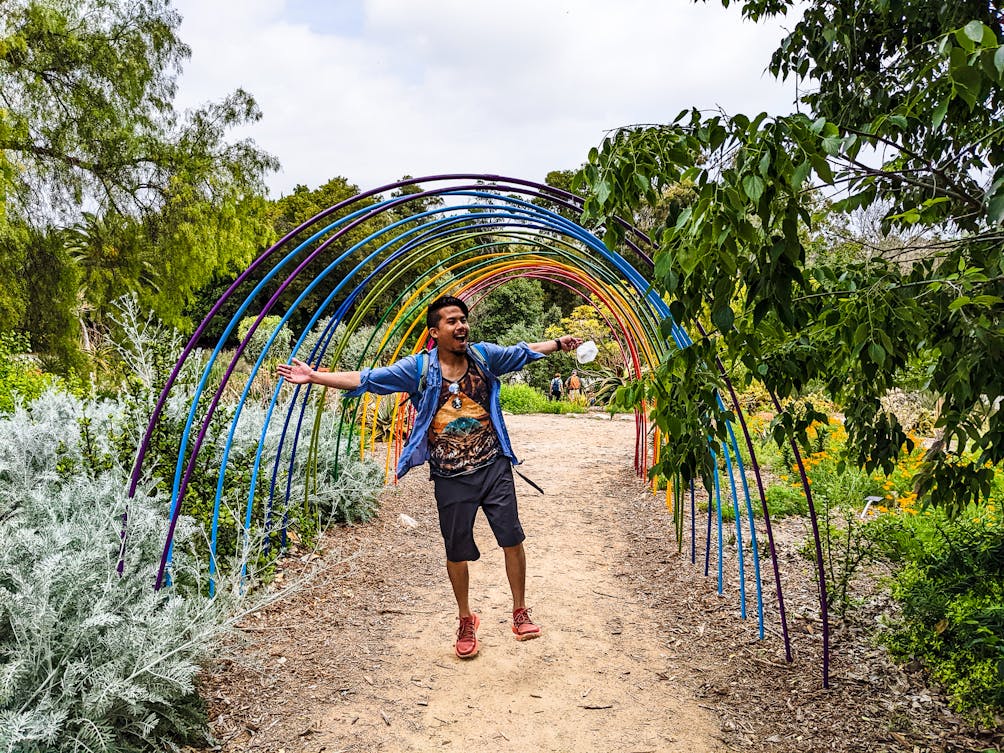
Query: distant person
{"x": 574, "y": 386}
{"x": 459, "y": 430}
{"x": 554, "y": 393}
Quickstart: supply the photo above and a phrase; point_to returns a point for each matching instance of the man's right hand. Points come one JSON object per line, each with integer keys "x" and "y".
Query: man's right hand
{"x": 297, "y": 372}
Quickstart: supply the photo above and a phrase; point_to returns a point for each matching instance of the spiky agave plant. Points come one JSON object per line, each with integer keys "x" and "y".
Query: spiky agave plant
{"x": 606, "y": 382}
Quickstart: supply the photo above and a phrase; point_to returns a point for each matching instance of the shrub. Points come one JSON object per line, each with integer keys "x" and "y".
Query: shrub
{"x": 755, "y": 397}
{"x": 606, "y": 382}
{"x": 563, "y": 407}
{"x": 915, "y": 410}
{"x": 147, "y": 347}
{"x": 344, "y": 489}
{"x": 20, "y": 378}
{"x": 353, "y": 494}
{"x": 349, "y": 497}
{"x": 522, "y": 398}
{"x": 784, "y": 500}
{"x": 280, "y": 349}
{"x": 314, "y": 337}
{"x": 89, "y": 659}
{"x": 948, "y": 572}
{"x": 158, "y": 348}
{"x": 359, "y": 348}
{"x": 951, "y": 588}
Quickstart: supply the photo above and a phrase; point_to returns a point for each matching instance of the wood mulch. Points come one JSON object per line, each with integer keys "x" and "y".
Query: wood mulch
{"x": 763, "y": 702}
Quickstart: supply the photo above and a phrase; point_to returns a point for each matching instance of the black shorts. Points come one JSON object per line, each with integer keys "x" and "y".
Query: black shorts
{"x": 458, "y": 499}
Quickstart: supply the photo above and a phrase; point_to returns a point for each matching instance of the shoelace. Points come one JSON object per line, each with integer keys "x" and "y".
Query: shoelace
{"x": 521, "y": 617}
{"x": 466, "y": 631}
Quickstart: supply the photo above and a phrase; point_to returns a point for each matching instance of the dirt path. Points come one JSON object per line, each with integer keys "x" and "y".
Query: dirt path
{"x": 362, "y": 659}
{"x": 639, "y": 653}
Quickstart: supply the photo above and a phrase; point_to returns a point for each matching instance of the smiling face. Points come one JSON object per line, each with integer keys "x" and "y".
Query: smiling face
{"x": 451, "y": 332}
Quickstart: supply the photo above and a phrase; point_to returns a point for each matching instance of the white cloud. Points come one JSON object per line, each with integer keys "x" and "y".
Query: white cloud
{"x": 381, "y": 88}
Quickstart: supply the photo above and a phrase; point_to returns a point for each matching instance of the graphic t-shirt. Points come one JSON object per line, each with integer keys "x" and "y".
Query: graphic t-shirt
{"x": 461, "y": 437}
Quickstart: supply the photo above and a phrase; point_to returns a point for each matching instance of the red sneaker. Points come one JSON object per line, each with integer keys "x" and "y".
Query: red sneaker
{"x": 467, "y": 637}
{"x": 523, "y": 626}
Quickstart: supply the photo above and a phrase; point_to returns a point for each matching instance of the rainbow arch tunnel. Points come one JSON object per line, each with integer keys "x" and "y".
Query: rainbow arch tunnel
{"x": 463, "y": 235}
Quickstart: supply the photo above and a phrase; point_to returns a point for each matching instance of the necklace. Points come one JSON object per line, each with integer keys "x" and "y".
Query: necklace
{"x": 454, "y": 389}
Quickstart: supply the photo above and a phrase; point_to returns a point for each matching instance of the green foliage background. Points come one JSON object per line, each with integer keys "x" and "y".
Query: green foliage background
{"x": 736, "y": 251}
{"x": 752, "y": 215}
{"x": 951, "y": 586}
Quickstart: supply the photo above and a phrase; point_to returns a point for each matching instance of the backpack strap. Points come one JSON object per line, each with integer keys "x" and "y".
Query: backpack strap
{"x": 531, "y": 483}
{"x": 423, "y": 371}
{"x": 479, "y": 355}
{"x": 422, "y": 359}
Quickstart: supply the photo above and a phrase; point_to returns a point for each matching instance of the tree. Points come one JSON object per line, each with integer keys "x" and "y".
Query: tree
{"x": 88, "y": 115}
{"x": 518, "y": 302}
{"x": 292, "y": 210}
{"x": 301, "y": 205}
{"x": 89, "y": 137}
{"x": 563, "y": 180}
{"x": 585, "y": 322}
{"x": 415, "y": 206}
{"x": 110, "y": 259}
{"x": 13, "y": 251}
{"x": 903, "y": 112}
{"x": 53, "y": 304}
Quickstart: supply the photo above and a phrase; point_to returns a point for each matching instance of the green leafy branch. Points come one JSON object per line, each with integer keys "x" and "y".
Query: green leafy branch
{"x": 739, "y": 248}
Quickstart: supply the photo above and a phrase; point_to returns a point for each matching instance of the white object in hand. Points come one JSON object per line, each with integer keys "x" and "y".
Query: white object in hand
{"x": 586, "y": 352}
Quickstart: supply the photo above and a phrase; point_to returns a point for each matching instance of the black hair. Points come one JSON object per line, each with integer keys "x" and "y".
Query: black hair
{"x": 432, "y": 315}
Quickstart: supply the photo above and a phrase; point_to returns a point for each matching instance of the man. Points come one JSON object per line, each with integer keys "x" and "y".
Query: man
{"x": 574, "y": 386}
{"x": 459, "y": 431}
{"x": 555, "y": 389}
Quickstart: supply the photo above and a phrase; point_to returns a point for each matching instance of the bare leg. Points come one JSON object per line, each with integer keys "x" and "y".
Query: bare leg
{"x": 460, "y": 580}
{"x": 515, "y": 570}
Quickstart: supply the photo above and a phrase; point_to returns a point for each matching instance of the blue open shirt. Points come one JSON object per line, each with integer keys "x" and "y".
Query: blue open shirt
{"x": 403, "y": 376}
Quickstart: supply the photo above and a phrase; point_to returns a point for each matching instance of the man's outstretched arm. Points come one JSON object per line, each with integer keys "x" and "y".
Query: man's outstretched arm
{"x": 298, "y": 372}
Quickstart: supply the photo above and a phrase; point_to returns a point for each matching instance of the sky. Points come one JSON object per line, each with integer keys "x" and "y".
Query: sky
{"x": 372, "y": 90}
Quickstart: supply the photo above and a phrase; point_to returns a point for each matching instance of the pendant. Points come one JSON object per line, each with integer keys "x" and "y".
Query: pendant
{"x": 456, "y": 403}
